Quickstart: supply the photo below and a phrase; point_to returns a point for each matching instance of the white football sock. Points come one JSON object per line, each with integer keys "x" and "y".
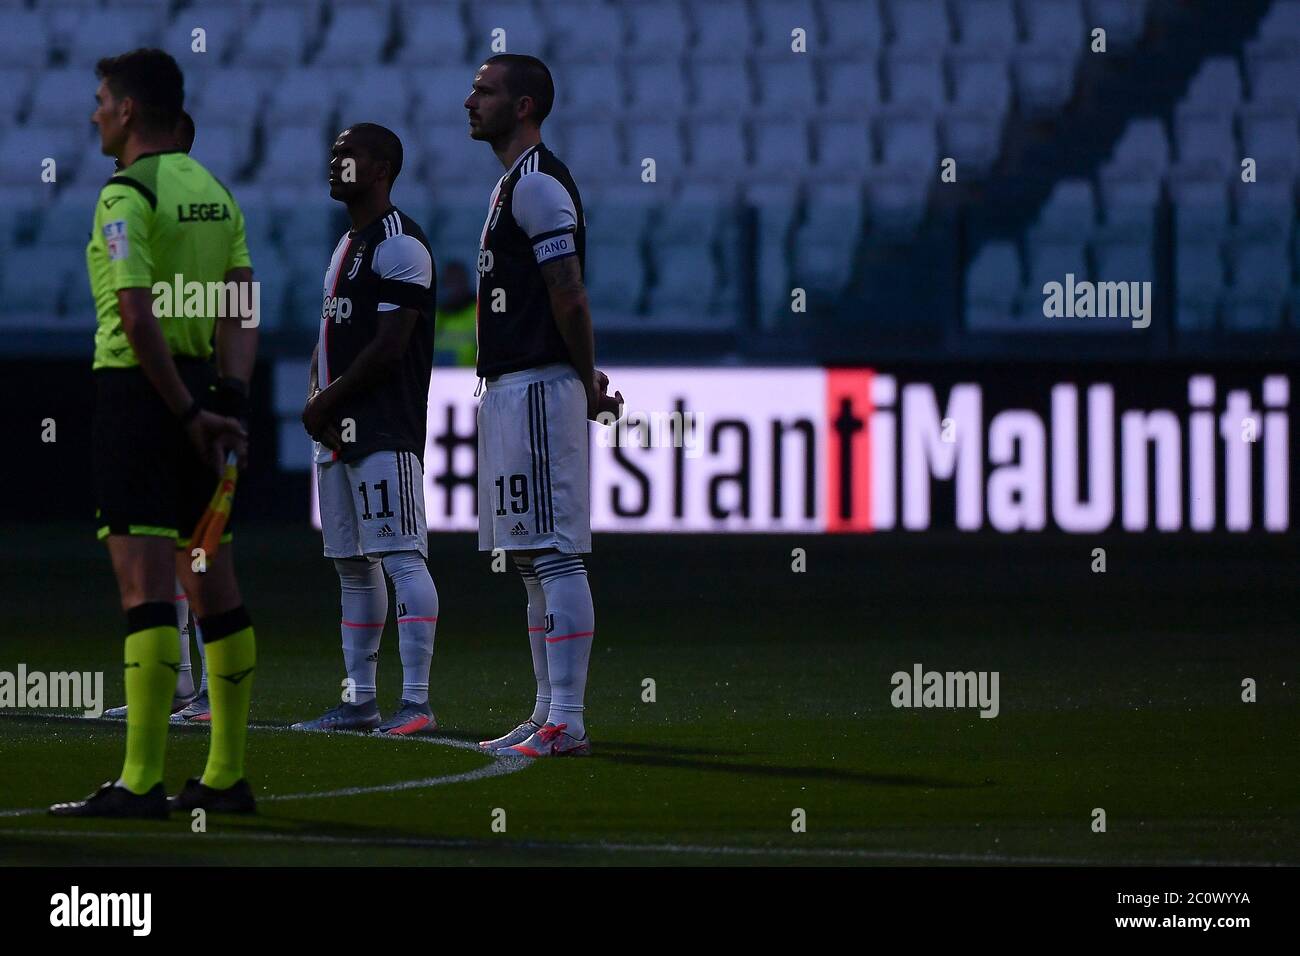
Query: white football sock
{"x": 537, "y": 638}
{"x": 365, "y": 609}
{"x": 203, "y": 656}
{"x": 570, "y": 627}
{"x": 417, "y": 620}
{"x": 185, "y": 675}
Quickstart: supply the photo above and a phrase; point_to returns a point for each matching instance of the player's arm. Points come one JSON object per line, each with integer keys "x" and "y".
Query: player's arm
{"x": 212, "y": 434}
{"x": 545, "y": 211}
{"x": 236, "y": 348}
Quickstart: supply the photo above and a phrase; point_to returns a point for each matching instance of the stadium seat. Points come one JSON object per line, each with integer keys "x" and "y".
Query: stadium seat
{"x": 973, "y": 139}
{"x": 37, "y": 279}
{"x": 1204, "y": 143}
{"x": 980, "y": 84}
{"x": 685, "y": 287}
{"x": 594, "y": 152}
{"x": 379, "y": 95}
{"x": 236, "y": 97}
{"x": 852, "y": 89}
{"x": 25, "y": 149}
{"x": 854, "y": 28}
{"x": 223, "y": 150}
{"x": 1054, "y": 25}
{"x": 1201, "y": 207}
{"x": 1068, "y": 215}
{"x": 1276, "y": 81}
{"x": 306, "y": 97}
{"x": 222, "y": 25}
{"x": 780, "y": 148}
{"x": 1124, "y": 262}
{"x": 59, "y": 94}
{"x": 599, "y": 39}
{"x": 657, "y": 31}
{"x": 660, "y": 141}
{"x": 433, "y": 33}
{"x": 440, "y": 93}
{"x": 919, "y": 26}
{"x": 777, "y": 19}
{"x": 524, "y": 30}
{"x": 1264, "y": 211}
{"x": 453, "y": 159}
{"x": 657, "y": 89}
{"x": 1216, "y": 87}
{"x": 718, "y": 150}
{"x": 1050, "y": 262}
{"x": 1044, "y": 81}
{"x": 99, "y": 33}
{"x": 67, "y": 221}
{"x": 289, "y": 152}
{"x": 1128, "y": 204}
{"x": 1271, "y": 137}
{"x": 589, "y": 90}
{"x": 786, "y": 87}
{"x": 24, "y": 38}
{"x": 1142, "y": 150}
{"x": 1279, "y": 30}
{"x": 1198, "y": 278}
{"x": 620, "y": 211}
{"x": 357, "y": 35}
{"x": 825, "y": 242}
{"x": 18, "y": 82}
{"x": 843, "y": 150}
{"x": 774, "y": 207}
{"x": 455, "y": 227}
{"x": 915, "y": 83}
{"x": 993, "y": 281}
{"x": 1261, "y": 280}
{"x": 909, "y": 143}
{"x": 1123, "y": 20}
{"x": 277, "y": 37}
{"x": 721, "y": 88}
{"x": 723, "y": 30}
{"x": 986, "y": 27}
{"x": 616, "y": 284}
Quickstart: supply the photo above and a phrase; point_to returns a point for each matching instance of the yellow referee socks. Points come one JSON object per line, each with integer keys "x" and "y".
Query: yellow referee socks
{"x": 231, "y": 658}
{"x": 152, "y": 660}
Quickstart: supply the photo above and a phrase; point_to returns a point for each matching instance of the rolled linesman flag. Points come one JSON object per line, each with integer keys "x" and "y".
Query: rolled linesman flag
{"x": 207, "y": 533}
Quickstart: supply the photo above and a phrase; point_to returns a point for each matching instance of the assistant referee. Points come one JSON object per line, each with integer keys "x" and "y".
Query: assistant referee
{"x": 166, "y": 416}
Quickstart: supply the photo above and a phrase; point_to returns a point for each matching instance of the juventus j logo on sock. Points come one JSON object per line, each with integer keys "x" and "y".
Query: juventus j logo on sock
{"x": 401, "y": 610}
{"x": 550, "y": 623}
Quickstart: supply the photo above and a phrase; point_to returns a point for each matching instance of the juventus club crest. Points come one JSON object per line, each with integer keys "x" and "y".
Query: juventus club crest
{"x": 356, "y": 262}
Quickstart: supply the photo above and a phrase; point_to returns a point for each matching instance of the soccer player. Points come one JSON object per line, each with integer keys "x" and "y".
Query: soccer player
{"x": 536, "y": 352}
{"x": 165, "y": 418}
{"x": 367, "y": 404}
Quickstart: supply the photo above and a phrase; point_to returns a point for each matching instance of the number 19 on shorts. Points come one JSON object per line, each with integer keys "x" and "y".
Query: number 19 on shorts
{"x": 517, "y": 487}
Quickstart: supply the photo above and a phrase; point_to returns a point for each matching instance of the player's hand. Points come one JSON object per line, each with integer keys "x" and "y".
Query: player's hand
{"x": 599, "y": 402}
{"x": 214, "y": 436}
{"x": 318, "y": 419}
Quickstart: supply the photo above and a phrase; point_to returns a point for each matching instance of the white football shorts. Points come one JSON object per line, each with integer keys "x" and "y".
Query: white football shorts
{"x": 533, "y": 482}
{"x": 373, "y": 505}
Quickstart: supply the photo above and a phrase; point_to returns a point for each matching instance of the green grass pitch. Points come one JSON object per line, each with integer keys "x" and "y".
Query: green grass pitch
{"x": 1119, "y": 691}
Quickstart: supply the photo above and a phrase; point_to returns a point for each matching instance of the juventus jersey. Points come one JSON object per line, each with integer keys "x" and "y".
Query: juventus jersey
{"x": 534, "y": 217}
{"x": 383, "y": 267}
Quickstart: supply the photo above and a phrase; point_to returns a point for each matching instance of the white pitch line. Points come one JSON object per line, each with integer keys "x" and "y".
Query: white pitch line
{"x": 498, "y": 767}
{"x": 668, "y": 848}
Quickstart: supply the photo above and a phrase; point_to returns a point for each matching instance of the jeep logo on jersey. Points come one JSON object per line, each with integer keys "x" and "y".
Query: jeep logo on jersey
{"x": 336, "y": 307}
{"x": 202, "y": 212}
{"x": 485, "y": 261}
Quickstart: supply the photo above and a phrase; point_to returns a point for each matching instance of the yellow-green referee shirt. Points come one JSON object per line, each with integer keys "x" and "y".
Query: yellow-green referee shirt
{"x": 161, "y": 217}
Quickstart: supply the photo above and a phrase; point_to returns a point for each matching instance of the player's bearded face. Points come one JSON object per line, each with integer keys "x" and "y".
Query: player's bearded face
{"x": 491, "y": 110}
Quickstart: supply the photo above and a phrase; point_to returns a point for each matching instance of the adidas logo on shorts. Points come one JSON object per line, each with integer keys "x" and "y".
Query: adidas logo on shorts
{"x": 519, "y": 528}
{"x": 386, "y": 532}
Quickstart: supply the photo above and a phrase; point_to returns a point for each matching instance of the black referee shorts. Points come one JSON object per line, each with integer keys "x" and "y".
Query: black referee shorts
{"x": 148, "y": 478}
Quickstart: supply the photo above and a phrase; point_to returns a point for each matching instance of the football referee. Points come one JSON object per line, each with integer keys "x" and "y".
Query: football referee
{"x": 166, "y": 416}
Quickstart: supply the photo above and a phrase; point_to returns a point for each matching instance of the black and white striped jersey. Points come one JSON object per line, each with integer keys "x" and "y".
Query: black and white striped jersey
{"x": 534, "y": 216}
{"x": 383, "y": 267}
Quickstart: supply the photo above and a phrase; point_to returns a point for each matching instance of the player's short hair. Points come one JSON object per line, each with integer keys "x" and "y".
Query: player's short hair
{"x": 185, "y": 132}
{"x": 528, "y": 76}
{"x": 152, "y": 79}
{"x": 381, "y": 143}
